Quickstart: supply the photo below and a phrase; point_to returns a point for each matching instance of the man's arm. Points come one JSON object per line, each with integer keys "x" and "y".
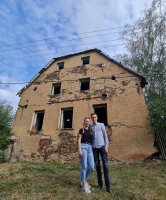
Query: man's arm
{"x": 105, "y": 138}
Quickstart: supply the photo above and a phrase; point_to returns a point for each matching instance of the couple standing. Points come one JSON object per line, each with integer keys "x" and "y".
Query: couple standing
{"x": 92, "y": 142}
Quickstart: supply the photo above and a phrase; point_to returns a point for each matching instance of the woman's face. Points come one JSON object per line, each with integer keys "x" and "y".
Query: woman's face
{"x": 87, "y": 122}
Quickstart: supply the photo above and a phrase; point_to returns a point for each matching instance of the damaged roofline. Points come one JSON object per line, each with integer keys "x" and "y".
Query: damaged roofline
{"x": 35, "y": 77}
{"x": 143, "y": 80}
{"x": 106, "y": 56}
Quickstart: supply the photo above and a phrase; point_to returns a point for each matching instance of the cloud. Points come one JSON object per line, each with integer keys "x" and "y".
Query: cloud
{"x": 101, "y": 14}
{"x": 27, "y": 25}
{"x": 8, "y": 92}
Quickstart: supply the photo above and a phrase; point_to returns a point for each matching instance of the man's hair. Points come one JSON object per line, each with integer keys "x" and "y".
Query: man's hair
{"x": 93, "y": 114}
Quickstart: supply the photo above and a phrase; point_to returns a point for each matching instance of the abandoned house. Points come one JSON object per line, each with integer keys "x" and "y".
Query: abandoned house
{"x": 53, "y": 105}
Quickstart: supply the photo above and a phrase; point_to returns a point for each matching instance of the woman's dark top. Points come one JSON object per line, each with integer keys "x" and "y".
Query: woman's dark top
{"x": 87, "y": 136}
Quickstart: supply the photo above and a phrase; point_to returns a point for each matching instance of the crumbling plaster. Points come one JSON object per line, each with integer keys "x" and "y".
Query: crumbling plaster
{"x": 128, "y": 122}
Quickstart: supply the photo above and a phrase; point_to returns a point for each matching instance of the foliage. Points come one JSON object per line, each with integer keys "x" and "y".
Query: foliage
{"x": 146, "y": 44}
{"x": 6, "y": 118}
{"x": 157, "y": 110}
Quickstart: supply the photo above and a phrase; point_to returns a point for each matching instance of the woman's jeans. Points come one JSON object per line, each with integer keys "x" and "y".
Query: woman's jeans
{"x": 87, "y": 161}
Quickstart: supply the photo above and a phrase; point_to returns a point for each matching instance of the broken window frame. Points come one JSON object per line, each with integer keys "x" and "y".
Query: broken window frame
{"x": 62, "y": 125}
{"x": 35, "y": 120}
{"x": 102, "y": 106}
{"x": 84, "y": 81}
{"x": 85, "y": 60}
{"x": 60, "y": 66}
{"x": 53, "y": 88}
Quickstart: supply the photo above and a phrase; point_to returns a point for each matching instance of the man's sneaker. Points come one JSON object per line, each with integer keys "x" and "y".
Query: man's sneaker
{"x": 109, "y": 190}
{"x": 100, "y": 187}
{"x": 82, "y": 183}
{"x": 85, "y": 187}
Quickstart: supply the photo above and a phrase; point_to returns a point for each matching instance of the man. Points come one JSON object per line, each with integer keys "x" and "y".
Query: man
{"x": 100, "y": 147}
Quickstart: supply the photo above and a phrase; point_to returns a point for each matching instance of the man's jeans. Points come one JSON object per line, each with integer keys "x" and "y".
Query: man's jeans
{"x": 87, "y": 161}
{"x": 96, "y": 152}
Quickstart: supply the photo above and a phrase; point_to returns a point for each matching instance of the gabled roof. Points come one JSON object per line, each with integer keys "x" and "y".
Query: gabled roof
{"x": 143, "y": 80}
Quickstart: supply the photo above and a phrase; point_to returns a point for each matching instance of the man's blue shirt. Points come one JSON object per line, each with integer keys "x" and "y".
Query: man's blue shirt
{"x": 99, "y": 135}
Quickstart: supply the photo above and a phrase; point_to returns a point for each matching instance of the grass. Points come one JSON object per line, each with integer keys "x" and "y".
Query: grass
{"x": 49, "y": 181}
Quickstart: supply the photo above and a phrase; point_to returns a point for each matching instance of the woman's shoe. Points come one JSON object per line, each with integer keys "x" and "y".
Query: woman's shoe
{"x": 85, "y": 187}
{"x": 81, "y": 184}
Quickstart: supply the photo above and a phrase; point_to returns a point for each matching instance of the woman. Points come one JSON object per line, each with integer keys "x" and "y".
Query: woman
{"x": 85, "y": 139}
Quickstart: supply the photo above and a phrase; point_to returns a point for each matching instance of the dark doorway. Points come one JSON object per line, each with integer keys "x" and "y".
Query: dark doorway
{"x": 101, "y": 111}
{"x": 67, "y": 118}
{"x": 39, "y": 120}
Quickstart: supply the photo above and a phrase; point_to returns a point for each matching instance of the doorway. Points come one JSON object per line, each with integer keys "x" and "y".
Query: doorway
{"x": 101, "y": 111}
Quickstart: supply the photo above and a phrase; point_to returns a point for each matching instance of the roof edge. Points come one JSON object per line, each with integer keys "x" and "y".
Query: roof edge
{"x": 143, "y": 80}
{"x": 35, "y": 77}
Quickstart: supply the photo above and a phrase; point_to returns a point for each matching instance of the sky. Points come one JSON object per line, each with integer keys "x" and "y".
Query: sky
{"x": 35, "y": 31}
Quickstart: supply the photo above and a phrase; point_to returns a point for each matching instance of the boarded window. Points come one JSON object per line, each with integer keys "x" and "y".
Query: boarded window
{"x": 85, "y": 60}
{"x": 67, "y": 118}
{"x": 84, "y": 84}
{"x": 60, "y": 66}
{"x": 38, "y": 122}
{"x": 101, "y": 111}
{"x": 56, "y": 88}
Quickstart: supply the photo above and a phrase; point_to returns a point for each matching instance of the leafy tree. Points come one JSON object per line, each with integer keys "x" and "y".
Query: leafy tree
{"x": 146, "y": 42}
{"x": 146, "y": 45}
{"x": 6, "y": 118}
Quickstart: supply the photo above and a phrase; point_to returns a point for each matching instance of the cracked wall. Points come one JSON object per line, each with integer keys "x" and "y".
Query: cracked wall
{"x": 128, "y": 123}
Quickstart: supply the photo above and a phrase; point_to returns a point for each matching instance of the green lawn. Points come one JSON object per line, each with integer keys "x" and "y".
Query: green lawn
{"x": 47, "y": 181}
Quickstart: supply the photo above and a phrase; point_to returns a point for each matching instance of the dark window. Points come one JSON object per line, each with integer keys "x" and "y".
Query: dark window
{"x": 85, "y": 60}
{"x": 60, "y": 66}
{"x": 84, "y": 84}
{"x": 67, "y": 118}
{"x": 39, "y": 120}
{"x": 56, "y": 88}
{"x": 101, "y": 111}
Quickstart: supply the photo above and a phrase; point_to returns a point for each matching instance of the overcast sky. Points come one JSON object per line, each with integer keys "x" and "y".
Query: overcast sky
{"x": 35, "y": 31}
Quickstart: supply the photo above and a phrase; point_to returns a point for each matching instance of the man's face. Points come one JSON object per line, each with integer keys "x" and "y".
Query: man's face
{"x": 94, "y": 118}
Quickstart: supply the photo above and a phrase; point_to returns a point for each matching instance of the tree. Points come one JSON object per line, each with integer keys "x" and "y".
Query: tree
{"x": 6, "y": 118}
{"x": 146, "y": 45}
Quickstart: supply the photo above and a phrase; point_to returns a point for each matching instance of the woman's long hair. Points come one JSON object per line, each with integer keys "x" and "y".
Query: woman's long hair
{"x": 84, "y": 124}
